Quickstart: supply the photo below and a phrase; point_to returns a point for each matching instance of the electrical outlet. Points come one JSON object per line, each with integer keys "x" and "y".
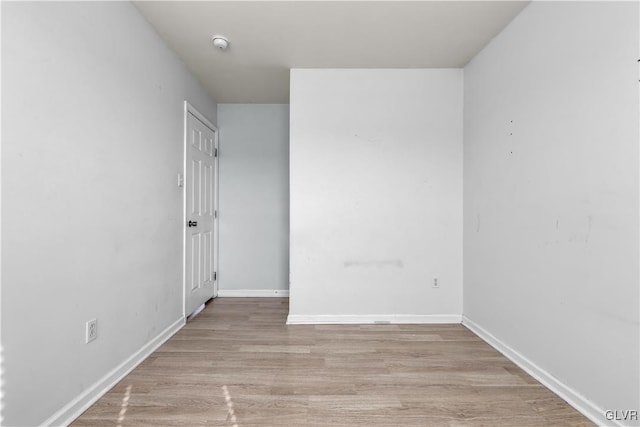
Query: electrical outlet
{"x": 92, "y": 330}
{"x": 436, "y": 284}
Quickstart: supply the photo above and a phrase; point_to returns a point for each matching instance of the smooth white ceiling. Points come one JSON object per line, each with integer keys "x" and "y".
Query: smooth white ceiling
{"x": 267, "y": 38}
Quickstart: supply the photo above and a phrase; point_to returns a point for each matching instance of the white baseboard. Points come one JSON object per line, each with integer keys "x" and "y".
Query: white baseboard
{"x": 77, "y": 406}
{"x": 573, "y": 398}
{"x": 252, "y": 293}
{"x": 328, "y": 319}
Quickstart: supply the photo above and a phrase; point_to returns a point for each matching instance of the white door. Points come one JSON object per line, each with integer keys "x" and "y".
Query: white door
{"x": 201, "y": 216}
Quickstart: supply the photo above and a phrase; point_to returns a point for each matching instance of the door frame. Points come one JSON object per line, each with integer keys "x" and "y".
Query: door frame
{"x": 190, "y": 109}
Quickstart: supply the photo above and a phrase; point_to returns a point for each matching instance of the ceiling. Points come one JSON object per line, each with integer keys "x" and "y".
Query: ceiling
{"x": 267, "y": 38}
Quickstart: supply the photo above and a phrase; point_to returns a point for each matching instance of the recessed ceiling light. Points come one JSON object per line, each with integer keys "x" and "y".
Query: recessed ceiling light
{"x": 220, "y": 42}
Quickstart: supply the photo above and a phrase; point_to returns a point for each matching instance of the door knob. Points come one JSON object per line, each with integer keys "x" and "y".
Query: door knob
{"x": 192, "y": 223}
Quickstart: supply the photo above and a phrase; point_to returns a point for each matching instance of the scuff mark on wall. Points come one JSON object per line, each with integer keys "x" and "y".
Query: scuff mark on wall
{"x": 590, "y": 222}
{"x": 375, "y": 263}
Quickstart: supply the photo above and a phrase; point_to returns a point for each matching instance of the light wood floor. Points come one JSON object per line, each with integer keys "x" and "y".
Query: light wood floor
{"x": 238, "y": 361}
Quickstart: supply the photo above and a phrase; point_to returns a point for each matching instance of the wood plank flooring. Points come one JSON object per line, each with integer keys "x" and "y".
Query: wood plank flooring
{"x": 238, "y": 364}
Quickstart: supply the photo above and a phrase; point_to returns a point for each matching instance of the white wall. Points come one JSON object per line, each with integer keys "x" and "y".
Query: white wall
{"x": 551, "y": 196}
{"x": 92, "y": 140}
{"x": 376, "y": 194}
{"x": 254, "y": 199}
